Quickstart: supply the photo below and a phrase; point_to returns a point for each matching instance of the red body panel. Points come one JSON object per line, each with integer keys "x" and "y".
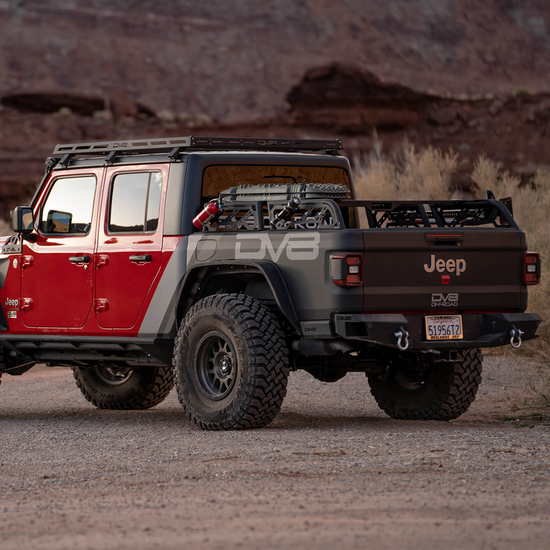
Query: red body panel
{"x": 10, "y": 293}
{"x": 123, "y": 283}
{"x": 59, "y": 293}
{"x": 168, "y": 247}
{"x": 77, "y": 293}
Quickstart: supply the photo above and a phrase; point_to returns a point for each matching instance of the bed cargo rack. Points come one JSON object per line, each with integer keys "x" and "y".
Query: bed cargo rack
{"x": 284, "y": 192}
{"x": 176, "y": 145}
{"x": 318, "y": 214}
{"x": 443, "y": 214}
{"x": 259, "y": 207}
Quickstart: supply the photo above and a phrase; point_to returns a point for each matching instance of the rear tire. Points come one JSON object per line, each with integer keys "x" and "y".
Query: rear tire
{"x": 230, "y": 363}
{"x": 121, "y": 388}
{"x": 444, "y": 393}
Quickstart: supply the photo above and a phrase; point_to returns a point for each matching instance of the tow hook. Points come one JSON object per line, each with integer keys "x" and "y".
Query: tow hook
{"x": 515, "y": 337}
{"x": 402, "y": 339}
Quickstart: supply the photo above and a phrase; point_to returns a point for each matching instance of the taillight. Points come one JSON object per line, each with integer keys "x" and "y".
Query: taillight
{"x": 346, "y": 269}
{"x": 531, "y": 268}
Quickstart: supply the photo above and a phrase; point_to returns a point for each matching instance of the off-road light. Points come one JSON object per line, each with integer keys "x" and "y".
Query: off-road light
{"x": 346, "y": 269}
{"x": 531, "y": 268}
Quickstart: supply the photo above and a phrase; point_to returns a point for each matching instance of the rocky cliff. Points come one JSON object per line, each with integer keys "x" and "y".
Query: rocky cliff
{"x": 462, "y": 73}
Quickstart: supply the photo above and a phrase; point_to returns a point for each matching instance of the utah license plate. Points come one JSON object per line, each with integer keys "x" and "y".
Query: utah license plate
{"x": 444, "y": 327}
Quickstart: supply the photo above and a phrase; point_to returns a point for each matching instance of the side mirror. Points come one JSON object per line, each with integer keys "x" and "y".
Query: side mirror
{"x": 59, "y": 222}
{"x": 22, "y": 220}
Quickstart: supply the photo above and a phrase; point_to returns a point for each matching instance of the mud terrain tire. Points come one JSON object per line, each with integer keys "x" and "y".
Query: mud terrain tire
{"x": 230, "y": 363}
{"x": 446, "y": 392}
{"x": 124, "y": 389}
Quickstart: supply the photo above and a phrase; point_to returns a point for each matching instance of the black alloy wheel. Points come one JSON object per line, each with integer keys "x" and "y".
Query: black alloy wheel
{"x": 216, "y": 365}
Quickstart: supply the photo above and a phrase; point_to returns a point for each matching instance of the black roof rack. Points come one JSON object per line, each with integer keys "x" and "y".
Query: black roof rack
{"x": 175, "y": 145}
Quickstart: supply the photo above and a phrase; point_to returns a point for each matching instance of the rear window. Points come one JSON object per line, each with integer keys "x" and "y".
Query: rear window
{"x": 220, "y": 177}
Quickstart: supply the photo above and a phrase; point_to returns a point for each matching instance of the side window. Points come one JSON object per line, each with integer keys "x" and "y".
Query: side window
{"x": 135, "y": 203}
{"x": 68, "y": 208}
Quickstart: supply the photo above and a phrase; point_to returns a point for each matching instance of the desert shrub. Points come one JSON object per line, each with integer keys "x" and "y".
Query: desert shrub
{"x": 531, "y": 205}
{"x": 409, "y": 174}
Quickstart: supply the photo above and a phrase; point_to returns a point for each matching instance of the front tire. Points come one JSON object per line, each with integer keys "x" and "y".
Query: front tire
{"x": 443, "y": 393}
{"x": 230, "y": 363}
{"x": 124, "y": 388}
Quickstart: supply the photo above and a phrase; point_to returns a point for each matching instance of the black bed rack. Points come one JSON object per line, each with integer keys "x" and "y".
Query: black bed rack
{"x": 434, "y": 213}
{"x": 176, "y": 145}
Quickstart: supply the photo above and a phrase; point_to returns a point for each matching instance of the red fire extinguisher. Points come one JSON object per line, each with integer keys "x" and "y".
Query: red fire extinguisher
{"x": 208, "y": 214}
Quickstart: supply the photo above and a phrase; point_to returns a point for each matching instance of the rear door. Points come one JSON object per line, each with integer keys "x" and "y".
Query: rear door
{"x": 57, "y": 269}
{"x": 129, "y": 246}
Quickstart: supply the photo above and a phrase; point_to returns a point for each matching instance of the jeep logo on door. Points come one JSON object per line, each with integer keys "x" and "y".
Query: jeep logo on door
{"x": 442, "y": 300}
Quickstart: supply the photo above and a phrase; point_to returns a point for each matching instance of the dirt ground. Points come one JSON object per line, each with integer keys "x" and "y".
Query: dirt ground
{"x": 332, "y": 471}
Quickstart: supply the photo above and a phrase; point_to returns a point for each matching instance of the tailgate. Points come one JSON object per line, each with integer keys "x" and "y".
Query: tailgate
{"x": 429, "y": 269}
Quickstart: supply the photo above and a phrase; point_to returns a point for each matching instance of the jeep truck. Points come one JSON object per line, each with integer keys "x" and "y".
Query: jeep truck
{"x": 221, "y": 264}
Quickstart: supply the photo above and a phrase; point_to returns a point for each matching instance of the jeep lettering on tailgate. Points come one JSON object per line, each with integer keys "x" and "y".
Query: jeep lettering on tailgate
{"x": 451, "y": 266}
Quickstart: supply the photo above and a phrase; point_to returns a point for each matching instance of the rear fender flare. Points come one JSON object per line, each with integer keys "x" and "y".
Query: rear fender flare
{"x": 270, "y": 271}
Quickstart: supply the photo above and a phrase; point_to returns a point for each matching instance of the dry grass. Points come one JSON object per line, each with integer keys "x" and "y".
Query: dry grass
{"x": 407, "y": 175}
{"x": 531, "y": 205}
{"x": 426, "y": 174}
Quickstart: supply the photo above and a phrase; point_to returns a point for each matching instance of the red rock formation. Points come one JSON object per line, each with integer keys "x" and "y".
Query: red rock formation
{"x": 464, "y": 74}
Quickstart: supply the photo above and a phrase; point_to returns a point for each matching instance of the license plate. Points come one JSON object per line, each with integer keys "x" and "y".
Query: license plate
{"x": 444, "y": 327}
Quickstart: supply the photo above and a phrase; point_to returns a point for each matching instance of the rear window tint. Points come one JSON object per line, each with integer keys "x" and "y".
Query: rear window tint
{"x": 220, "y": 177}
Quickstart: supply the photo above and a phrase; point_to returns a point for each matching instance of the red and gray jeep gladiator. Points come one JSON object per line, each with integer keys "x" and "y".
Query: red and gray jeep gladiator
{"x": 221, "y": 264}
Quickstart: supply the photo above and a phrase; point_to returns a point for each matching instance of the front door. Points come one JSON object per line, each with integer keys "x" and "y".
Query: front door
{"x": 129, "y": 247}
{"x": 57, "y": 269}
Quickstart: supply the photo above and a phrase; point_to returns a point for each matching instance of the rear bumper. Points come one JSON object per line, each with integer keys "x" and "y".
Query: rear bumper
{"x": 483, "y": 330}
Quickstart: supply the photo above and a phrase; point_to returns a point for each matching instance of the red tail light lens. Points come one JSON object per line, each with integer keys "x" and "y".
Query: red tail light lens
{"x": 346, "y": 269}
{"x": 531, "y": 268}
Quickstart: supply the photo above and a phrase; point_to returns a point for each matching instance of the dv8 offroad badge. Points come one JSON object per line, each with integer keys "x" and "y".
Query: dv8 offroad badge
{"x": 445, "y": 300}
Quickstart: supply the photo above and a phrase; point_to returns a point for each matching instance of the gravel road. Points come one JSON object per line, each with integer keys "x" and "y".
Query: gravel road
{"x": 332, "y": 471}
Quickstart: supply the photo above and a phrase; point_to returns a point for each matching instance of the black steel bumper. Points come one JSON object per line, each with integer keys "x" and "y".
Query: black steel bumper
{"x": 483, "y": 330}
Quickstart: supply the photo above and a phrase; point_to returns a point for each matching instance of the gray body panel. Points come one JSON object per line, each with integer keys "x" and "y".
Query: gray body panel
{"x": 302, "y": 258}
{"x": 397, "y": 262}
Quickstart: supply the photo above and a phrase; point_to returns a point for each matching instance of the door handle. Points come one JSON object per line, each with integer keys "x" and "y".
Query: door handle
{"x": 79, "y": 259}
{"x": 140, "y": 259}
